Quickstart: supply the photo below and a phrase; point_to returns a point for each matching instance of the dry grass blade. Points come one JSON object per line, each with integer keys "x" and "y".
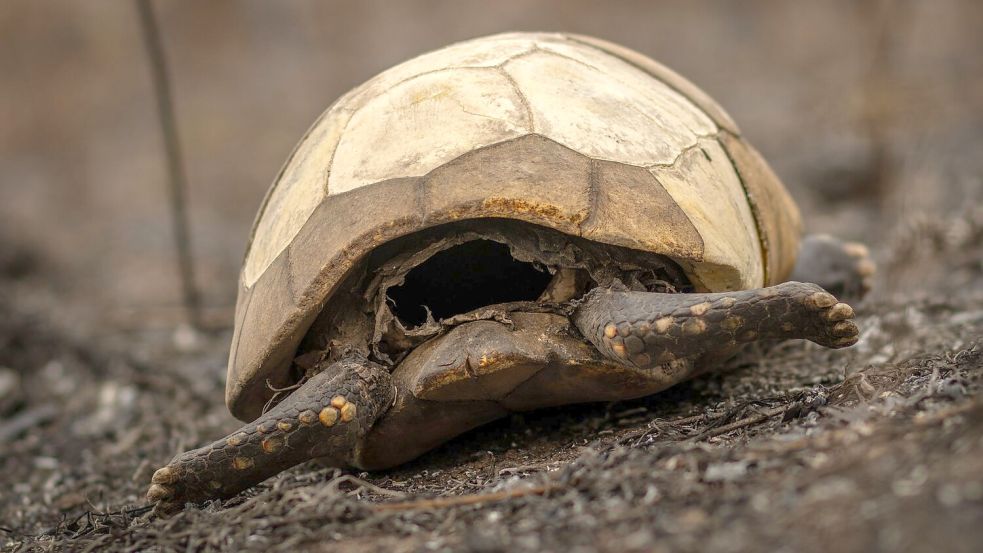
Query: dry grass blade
{"x": 359, "y": 483}
{"x": 456, "y": 501}
{"x": 743, "y": 423}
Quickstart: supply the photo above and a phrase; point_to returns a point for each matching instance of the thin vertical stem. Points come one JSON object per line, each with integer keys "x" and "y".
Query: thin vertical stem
{"x": 885, "y": 22}
{"x": 177, "y": 182}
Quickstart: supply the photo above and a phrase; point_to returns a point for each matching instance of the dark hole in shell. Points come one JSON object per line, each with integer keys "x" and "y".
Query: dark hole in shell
{"x": 463, "y": 278}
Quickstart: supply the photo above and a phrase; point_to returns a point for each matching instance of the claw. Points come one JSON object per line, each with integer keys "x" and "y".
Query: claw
{"x": 845, "y": 342}
{"x": 844, "y": 329}
{"x": 839, "y": 312}
{"x": 159, "y": 493}
{"x": 165, "y": 475}
{"x": 856, "y": 250}
{"x": 820, "y": 300}
{"x": 866, "y": 268}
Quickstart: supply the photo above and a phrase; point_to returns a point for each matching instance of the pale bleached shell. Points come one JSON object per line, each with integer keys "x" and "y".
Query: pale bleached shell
{"x": 429, "y": 110}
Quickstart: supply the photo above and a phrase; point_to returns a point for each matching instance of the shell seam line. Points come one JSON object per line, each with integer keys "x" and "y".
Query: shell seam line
{"x": 703, "y": 243}
{"x": 424, "y": 179}
{"x": 427, "y": 74}
{"x": 592, "y": 67}
{"x": 423, "y": 199}
{"x": 686, "y": 150}
{"x": 288, "y": 262}
{"x": 515, "y": 388}
{"x": 279, "y": 174}
{"x": 762, "y": 237}
{"x": 592, "y": 196}
{"x": 524, "y": 54}
{"x": 649, "y": 73}
{"x": 341, "y": 136}
{"x": 522, "y": 97}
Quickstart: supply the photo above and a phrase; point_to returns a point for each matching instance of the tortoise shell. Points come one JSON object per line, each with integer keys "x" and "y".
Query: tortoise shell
{"x": 564, "y": 131}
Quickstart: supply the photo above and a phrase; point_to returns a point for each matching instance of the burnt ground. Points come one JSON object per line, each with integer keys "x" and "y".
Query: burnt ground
{"x": 871, "y": 112}
{"x": 878, "y": 447}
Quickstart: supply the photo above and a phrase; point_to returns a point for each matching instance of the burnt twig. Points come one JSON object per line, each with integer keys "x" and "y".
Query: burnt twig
{"x": 745, "y": 422}
{"x": 177, "y": 182}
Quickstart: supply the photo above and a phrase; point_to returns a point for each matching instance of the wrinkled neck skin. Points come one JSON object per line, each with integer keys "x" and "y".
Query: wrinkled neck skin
{"x": 363, "y": 318}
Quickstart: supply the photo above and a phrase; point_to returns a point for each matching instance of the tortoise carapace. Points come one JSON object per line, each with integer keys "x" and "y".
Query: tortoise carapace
{"x": 513, "y": 222}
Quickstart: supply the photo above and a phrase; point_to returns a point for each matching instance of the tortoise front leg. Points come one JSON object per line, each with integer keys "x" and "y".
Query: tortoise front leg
{"x": 326, "y": 417}
{"x": 644, "y": 330}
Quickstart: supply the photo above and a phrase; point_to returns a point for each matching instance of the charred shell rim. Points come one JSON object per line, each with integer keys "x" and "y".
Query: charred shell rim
{"x": 525, "y": 174}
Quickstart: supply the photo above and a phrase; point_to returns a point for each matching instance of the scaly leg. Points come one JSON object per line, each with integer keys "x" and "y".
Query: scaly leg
{"x": 326, "y": 417}
{"x": 644, "y": 329}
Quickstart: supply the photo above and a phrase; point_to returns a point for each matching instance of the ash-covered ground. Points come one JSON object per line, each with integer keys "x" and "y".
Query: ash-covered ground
{"x": 874, "y": 448}
{"x": 872, "y": 116}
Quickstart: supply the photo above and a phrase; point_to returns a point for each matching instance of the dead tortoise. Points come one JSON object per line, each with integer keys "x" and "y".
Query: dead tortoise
{"x": 509, "y": 223}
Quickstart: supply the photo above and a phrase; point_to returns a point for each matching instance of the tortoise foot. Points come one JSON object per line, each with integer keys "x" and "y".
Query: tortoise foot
{"x": 842, "y": 268}
{"x": 323, "y": 418}
{"x": 827, "y": 321}
{"x": 646, "y": 330}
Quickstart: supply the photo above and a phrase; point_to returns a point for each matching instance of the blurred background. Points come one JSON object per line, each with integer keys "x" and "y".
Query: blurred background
{"x": 870, "y": 111}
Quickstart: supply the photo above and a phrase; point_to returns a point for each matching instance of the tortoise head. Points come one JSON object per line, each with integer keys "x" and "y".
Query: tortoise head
{"x": 502, "y": 169}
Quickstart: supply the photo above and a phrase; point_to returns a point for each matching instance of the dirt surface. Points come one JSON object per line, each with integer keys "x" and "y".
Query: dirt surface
{"x": 875, "y": 448}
